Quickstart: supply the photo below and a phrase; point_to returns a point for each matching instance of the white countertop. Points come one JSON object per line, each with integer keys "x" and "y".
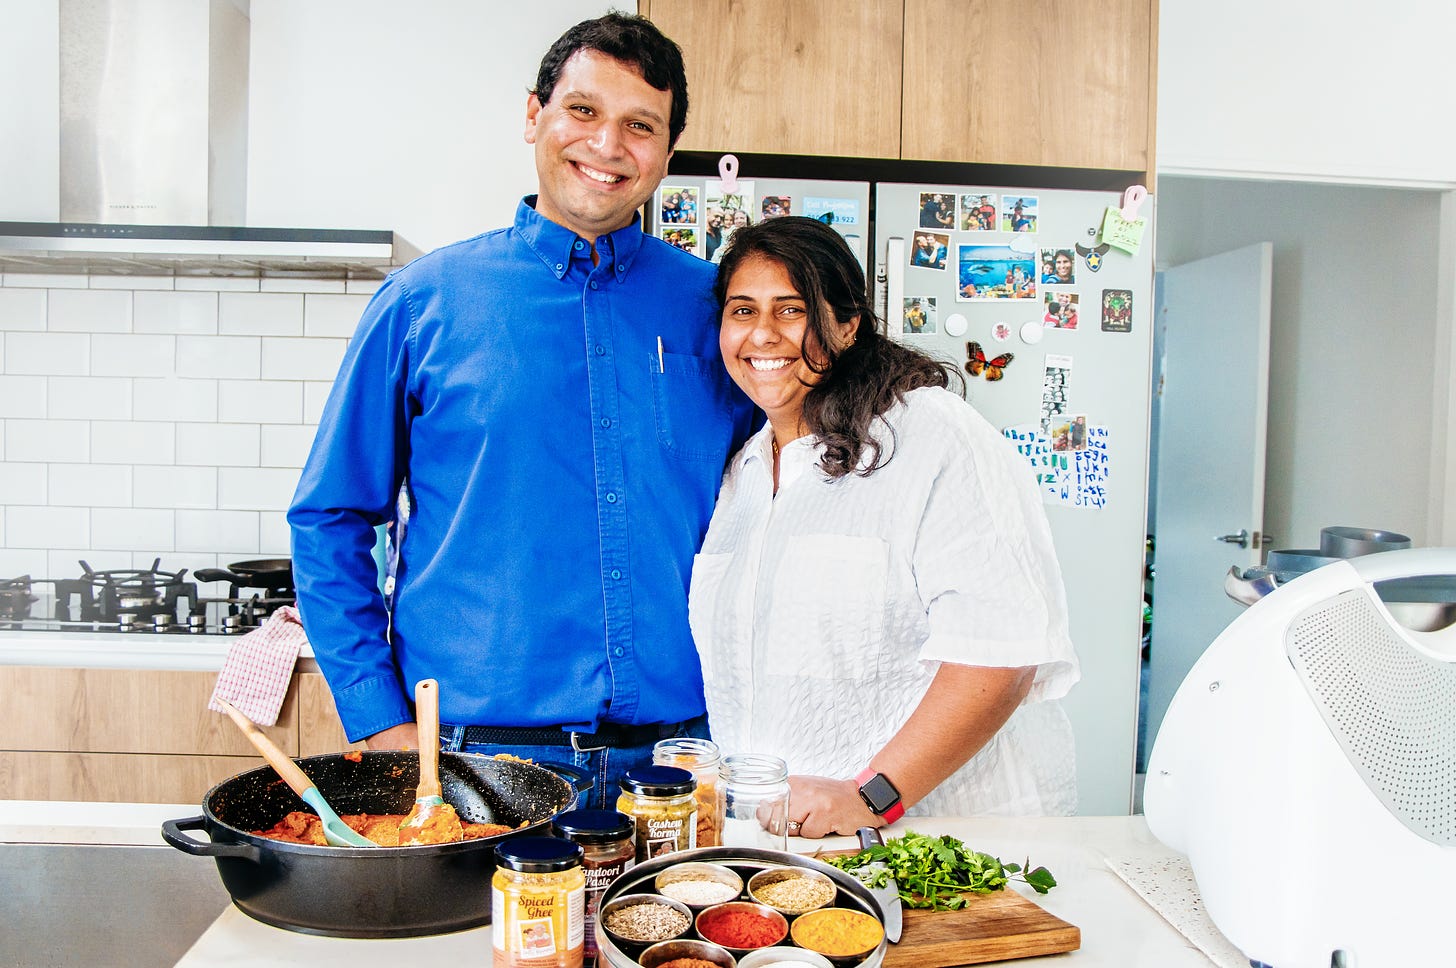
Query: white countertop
{"x": 123, "y": 650}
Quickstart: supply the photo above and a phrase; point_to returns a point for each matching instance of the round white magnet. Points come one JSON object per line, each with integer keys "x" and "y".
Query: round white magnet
{"x": 1031, "y": 332}
{"x": 955, "y": 325}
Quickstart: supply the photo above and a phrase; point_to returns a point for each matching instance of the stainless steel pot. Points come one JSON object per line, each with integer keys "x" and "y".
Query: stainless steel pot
{"x": 388, "y": 892}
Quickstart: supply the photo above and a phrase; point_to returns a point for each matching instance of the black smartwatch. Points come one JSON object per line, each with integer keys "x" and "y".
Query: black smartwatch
{"x": 880, "y": 795}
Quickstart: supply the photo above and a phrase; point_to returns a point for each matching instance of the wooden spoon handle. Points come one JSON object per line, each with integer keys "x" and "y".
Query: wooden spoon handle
{"x": 279, "y": 760}
{"x": 427, "y": 718}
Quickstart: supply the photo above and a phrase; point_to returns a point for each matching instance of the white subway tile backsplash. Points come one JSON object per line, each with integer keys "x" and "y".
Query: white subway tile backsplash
{"x": 36, "y": 526}
{"x": 300, "y": 284}
{"x": 274, "y": 537}
{"x": 133, "y": 355}
{"x": 22, "y": 483}
{"x": 218, "y": 445}
{"x": 174, "y": 487}
{"x": 88, "y": 398}
{"x": 39, "y": 280}
{"x": 286, "y": 446}
{"x": 53, "y": 441}
{"x": 15, "y": 562}
{"x": 260, "y": 314}
{"x": 133, "y": 442}
{"x": 332, "y": 315}
{"x": 260, "y": 401}
{"x": 175, "y": 312}
{"x": 89, "y": 485}
{"x": 173, "y": 398}
{"x": 207, "y": 531}
{"x": 233, "y": 357}
{"x": 66, "y": 562}
{"x": 130, "y": 282}
{"x": 255, "y": 488}
{"x": 217, "y": 284}
{"x": 124, "y": 529}
{"x": 23, "y": 309}
{"x": 315, "y": 395}
{"x": 302, "y": 359}
{"x": 48, "y": 354}
{"x": 22, "y": 396}
{"x": 89, "y": 311}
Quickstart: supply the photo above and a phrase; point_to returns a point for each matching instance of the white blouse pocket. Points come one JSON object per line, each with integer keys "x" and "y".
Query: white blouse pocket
{"x": 826, "y": 619}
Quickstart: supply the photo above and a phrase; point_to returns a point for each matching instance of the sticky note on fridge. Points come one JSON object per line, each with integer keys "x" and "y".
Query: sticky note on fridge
{"x": 1120, "y": 233}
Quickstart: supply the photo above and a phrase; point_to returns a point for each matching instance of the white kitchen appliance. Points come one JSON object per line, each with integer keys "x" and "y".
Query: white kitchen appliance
{"x": 1307, "y": 768}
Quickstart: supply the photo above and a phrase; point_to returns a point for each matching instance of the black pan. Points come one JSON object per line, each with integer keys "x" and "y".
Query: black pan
{"x": 269, "y": 573}
{"x": 355, "y": 892}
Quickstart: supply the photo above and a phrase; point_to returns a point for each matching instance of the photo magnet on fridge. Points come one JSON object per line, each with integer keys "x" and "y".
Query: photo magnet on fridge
{"x": 1117, "y": 310}
{"x": 937, "y": 210}
{"x": 682, "y": 236}
{"x": 1061, "y": 310}
{"x": 977, "y": 213}
{"x": 994, "y": 272}
{"x": 1058, "y": 267}
{"x": 678, "y": 204}
{"x": 928, "y": 250}
{"x": 919, "y": 315}
{"x": 775, "y": 205}
{"x": 1018, "y": 213}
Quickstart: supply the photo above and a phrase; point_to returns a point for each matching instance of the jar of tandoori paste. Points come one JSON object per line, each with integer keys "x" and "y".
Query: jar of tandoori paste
{"x": 660, "y": 801}
{"x": 537, "y": 904}
{"x": 607, "y": 839}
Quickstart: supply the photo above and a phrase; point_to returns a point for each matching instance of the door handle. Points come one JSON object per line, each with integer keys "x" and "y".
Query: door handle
{"x": 1241, "y": 538}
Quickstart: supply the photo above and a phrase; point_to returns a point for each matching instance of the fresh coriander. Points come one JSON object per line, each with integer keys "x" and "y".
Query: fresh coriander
{"x": 935, "y": 872}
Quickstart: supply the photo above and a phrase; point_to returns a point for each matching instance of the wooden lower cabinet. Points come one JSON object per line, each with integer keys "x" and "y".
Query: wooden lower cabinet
{"x": 143, "y": 736}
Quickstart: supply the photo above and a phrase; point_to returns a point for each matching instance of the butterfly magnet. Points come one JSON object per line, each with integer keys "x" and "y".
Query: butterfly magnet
{"x": 977, "y": 363}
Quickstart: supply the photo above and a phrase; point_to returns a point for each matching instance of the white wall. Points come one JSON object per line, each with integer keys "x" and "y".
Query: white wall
{"x": 1317, "y": 90}
{"x": 364, "y": 116}
{"x": 1353, "y": 342}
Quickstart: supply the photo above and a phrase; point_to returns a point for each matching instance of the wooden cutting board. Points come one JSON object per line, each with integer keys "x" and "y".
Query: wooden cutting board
{"x": 991, "y": 927}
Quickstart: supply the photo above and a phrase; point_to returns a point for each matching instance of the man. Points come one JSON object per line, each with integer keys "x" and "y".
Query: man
{"x": 552, "y": 399}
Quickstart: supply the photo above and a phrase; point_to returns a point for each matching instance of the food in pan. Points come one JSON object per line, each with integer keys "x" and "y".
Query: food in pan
{"x": 301, "y": 827}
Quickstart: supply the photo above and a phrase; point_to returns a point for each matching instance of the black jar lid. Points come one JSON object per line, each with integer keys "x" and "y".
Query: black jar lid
{"x": 593, "y": 826}
{"x": 658, "y": 781}
{"x": 538, "y": 855}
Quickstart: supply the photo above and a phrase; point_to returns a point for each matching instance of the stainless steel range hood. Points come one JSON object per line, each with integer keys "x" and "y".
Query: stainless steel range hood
{"x": 153, "y": 153}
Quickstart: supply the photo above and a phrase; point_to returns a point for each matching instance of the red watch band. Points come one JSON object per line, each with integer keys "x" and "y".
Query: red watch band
{"x": 895, "y": 812}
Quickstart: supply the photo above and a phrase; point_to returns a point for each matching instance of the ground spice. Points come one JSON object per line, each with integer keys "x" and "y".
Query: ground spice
{"x": 737, "y": 928}
{"x": 646, "y": 922}
{"x": 795, "y": 895}
{"x": 699, "y": 893}
{"x": 688, "y": 963}
{"x": 837, "y": 932}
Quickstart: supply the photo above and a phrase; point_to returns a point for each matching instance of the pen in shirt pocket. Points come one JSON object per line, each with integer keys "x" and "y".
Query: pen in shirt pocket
{"x": 660, "y": 368}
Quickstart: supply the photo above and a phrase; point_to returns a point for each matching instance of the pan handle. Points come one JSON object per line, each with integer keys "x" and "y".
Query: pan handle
{"x": 218, "y": 574}
{"x": 580, "y": 779}
{"x": 172, "y": 834}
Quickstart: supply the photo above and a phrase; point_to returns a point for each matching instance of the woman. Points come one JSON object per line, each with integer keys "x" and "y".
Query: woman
{"x": 877, "y": 599}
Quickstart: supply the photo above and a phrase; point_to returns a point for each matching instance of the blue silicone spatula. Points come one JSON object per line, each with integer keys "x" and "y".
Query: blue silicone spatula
{"x": 336, "y": 832}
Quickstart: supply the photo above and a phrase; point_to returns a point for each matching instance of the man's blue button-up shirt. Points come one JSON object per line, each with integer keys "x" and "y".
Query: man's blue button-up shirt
{"x": 560, "y": 470}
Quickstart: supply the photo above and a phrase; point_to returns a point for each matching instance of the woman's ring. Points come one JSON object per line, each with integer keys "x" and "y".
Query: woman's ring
{"x": 793, "y": 828}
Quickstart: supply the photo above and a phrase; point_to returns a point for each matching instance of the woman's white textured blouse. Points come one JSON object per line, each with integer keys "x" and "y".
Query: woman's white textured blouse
{"x": 822, "y": 614}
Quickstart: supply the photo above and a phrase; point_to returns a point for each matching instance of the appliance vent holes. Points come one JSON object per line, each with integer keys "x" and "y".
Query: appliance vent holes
{"x": 1387, "y": 706}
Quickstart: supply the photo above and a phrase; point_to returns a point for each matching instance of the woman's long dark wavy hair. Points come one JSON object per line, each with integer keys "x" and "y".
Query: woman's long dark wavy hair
{"x": 858, "y": 382}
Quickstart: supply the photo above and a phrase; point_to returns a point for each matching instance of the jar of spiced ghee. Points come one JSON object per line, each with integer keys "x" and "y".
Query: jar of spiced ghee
{"x": 701, "y": 758}
{"x": 537, "y": 904}
{"x": 608, "y": 843}
{"x": 660, "y": 801}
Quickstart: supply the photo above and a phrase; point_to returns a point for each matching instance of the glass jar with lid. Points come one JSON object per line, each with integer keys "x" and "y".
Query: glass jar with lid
{"x": 701, "y": 758}
{"x": 753, "y": 801}
{"x": 537, "y": 904}
{"x": 607, "y": 839}
{"x": 660, "y": 801}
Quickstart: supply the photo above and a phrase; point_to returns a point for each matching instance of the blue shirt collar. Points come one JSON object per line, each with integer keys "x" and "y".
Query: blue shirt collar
{"x": 553, "y": 244}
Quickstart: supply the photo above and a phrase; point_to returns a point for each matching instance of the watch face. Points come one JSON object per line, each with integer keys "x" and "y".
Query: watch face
{"x": 879, "y": 793}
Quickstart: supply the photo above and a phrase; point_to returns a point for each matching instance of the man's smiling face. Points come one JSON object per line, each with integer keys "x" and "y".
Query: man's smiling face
{"x": 601, "y": 144}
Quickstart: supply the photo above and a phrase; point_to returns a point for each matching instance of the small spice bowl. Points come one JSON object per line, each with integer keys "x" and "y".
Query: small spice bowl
{"x": 667, "y": 951}
{"x": 742, "y": 926}
{"x": 711, "y": 884}
{"x": 838, "y": 933}
{"x": 635, "y": 921}
{"x": 791, "y": 890}
{"x": 785, "y": 956}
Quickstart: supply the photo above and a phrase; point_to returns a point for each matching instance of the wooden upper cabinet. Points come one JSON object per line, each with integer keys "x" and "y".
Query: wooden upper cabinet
{"x": 800, "y": 77}
{"x": 1030, "y": 82}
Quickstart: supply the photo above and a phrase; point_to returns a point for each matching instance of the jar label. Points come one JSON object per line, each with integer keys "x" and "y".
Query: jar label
{"x": 531, "y": 928}
{"x": 667, "y": 834}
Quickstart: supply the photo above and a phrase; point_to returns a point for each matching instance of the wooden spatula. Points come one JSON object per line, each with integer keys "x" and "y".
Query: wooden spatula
{"x": 431, "y": 820}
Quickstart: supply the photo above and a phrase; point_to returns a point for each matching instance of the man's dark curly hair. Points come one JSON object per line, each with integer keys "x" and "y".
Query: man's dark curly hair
{"x": 632, "y": 40}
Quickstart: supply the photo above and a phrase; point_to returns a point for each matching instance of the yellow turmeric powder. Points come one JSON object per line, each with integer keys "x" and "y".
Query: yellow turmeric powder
{"x": 837, "y": 932}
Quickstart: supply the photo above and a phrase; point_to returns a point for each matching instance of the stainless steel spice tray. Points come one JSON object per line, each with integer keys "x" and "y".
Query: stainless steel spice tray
{"x": 746, "y": 861}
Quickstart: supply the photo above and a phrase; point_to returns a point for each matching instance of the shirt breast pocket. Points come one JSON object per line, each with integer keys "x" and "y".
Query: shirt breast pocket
{"x": 692, "y": 397}
{"x": 827, "y": 618}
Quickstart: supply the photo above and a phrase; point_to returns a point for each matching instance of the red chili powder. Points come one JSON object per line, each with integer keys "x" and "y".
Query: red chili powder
{"x": 740, "y": 929}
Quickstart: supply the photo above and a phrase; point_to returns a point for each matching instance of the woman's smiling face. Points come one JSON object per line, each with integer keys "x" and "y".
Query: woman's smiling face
{"x": 762, "y": 338}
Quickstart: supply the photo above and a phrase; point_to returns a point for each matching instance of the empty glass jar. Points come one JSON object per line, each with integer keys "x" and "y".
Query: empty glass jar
{"x": 753, "y": 801}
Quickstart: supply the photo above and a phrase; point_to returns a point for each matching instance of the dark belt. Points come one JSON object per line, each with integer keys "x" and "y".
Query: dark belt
{"x": 607, "y": 735}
